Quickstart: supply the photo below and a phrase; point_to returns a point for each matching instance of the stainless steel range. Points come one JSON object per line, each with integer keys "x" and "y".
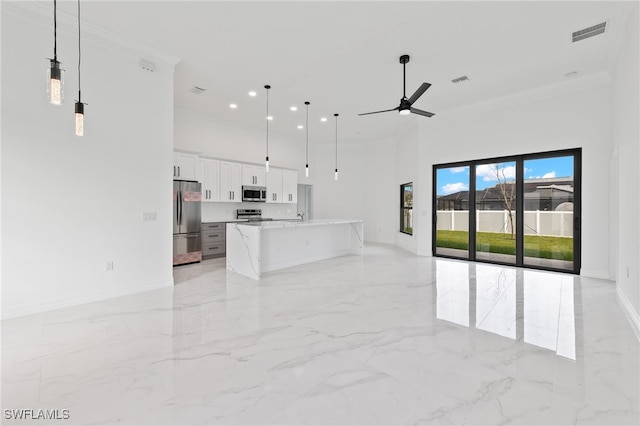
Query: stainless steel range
{"x": 250, "y": 214}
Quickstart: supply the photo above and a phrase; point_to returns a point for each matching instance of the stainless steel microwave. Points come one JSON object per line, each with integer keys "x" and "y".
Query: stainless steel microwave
{"x": 254, "y": 193}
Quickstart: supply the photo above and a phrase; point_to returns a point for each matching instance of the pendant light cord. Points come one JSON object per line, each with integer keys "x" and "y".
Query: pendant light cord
{"x": 55, "y": 32}
{"x": 307, "y": 128}
{"x": 267, "y": 87}
{"x": 336, "y": 115}
{"x": 79, "y": 54}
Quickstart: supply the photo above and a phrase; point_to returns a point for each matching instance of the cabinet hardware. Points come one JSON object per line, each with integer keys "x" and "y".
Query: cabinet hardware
{"x": 178, "y": 171}
{"x": 174, "y": 171}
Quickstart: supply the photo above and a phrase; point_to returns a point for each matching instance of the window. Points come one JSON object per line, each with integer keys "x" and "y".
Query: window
{"x": 406, "y": 208}
{"x": 522, "y": 210}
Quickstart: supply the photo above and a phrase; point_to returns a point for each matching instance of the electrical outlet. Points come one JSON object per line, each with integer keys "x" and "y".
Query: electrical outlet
{"x": 108, "y": 266}
{"x": 149, "y": 216}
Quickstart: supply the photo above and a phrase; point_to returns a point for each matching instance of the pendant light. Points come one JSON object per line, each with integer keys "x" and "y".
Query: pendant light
{"x": 55, "y": 81}
{"x": 266, "y": 162}
{"x": 79, "y": 109}
{"x": 336, "y": 175}
{"x": 306, "y": 169}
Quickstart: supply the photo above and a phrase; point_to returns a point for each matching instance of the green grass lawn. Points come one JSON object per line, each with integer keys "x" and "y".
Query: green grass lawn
{"x": 534, "y": 246}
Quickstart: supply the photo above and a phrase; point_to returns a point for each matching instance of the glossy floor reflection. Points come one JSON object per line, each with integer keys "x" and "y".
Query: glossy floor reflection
{"x": 381, "y": 339}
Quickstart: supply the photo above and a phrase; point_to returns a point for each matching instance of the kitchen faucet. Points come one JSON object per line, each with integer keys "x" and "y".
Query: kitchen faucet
{"x": 301, "y": 215}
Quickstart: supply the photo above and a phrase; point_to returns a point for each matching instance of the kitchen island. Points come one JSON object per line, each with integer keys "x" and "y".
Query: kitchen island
{"x": 254, "y": 248}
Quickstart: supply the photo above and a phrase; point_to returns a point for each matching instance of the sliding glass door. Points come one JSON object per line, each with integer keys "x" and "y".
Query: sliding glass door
{"x": 549, "y": 212}
{"x": 522, "y": 210}
{"x": 495, "y": 206}
{"x": 452, "y": 211}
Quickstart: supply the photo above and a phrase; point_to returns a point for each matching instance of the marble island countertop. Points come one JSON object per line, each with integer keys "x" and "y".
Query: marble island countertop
{"x": 292, "y": 223}
{"x": 291, "y": 219}
{"x": 254, "y": 248}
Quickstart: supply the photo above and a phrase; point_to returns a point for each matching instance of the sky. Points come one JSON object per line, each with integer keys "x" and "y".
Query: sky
{"x": 455, "y": 179}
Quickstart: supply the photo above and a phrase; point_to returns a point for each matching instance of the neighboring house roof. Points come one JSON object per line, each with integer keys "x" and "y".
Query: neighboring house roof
{"x": 564, "y": 184}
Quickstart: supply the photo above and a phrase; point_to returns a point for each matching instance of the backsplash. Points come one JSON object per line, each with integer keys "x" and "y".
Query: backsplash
{"x": 220, "y": 212}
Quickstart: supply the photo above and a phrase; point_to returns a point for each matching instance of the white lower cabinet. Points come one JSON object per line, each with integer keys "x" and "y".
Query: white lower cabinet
{"x": 274, "y": 185}
{"x": 209, "y": 176}
{"x": 230, "y": 182}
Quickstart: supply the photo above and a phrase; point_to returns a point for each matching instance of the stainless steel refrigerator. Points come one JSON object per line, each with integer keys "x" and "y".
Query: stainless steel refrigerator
{"x": 187, "y": 243}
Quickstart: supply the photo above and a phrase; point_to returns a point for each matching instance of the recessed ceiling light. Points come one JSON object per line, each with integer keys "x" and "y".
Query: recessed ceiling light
{"x": 252, "y": 93}
{"x": 294, "y": 108}
{"x": 300, "y": 126}
{"x": 323, "y": 119}
{"x": 269, "y": 117}
{"x": 233, "y": 106}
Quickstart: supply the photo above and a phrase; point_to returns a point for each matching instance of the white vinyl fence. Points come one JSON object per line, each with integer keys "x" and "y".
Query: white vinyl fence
{"x": 553, "y": 224}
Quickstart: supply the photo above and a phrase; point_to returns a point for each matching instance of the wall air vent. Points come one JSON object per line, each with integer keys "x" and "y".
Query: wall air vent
{"x": 460, "y": 79}
{"x": 588, "y": 32}
{"x": 197, "y": 90}
{"x": 147, "y": 65}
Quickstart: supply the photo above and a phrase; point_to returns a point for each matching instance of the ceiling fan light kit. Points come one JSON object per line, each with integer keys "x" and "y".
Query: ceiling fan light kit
{"x": 406, "y": 104}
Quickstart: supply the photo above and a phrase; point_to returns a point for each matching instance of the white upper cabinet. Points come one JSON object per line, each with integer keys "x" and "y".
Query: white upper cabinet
{"x": 253, "y": 175}
{"x": 185, "y": 166}
{"x": 230, "y": 182}
{"x": 209, "y": 176}
{"x": 290, "y": 186}
{"x": 274, "y": 185}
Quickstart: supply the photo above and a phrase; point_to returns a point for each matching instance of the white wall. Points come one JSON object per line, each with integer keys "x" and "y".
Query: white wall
{"x": 382, "y": 198}
{"x": 407, "y": 169}
{"x": 70, "y": 204}
{"x": 561, "y": 119}
{"x": 209, "y": 137}
{"x": 626, "y": 155}
{"x": 345, "y": 197}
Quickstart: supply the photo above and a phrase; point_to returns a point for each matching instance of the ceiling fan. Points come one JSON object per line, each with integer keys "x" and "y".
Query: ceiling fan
{"x": 405, "y": 107}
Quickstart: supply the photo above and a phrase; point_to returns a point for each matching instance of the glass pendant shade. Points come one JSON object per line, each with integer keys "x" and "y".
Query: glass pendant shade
{"x": 55, "y": 83}
{"x": 266, "y": 164}
{"x": 336, "y": 175}
{"x": 306, "y": 171}
{"x": 79, "y": 119}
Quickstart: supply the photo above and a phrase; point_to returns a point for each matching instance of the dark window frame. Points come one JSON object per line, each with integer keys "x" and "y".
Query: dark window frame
{"x": 403, "y": 209}
{"x": 519, "y": 160}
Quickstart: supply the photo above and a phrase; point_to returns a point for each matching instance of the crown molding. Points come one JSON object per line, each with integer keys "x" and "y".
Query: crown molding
{"x": 41, "y": 13}
{"x": 579, "y": 84}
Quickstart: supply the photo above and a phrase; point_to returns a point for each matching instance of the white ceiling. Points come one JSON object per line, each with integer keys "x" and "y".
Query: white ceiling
{"x": 343, "y": 56}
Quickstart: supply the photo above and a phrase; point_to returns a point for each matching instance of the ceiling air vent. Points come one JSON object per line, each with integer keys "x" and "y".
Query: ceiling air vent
{"x": 197, "y": 90}
{"x": 460, "y": 79}
{"x": 588, "y": 32}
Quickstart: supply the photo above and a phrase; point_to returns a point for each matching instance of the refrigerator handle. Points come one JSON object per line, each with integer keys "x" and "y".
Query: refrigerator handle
{"x": 177, "y": 217}
{"x": 180, "y": 208}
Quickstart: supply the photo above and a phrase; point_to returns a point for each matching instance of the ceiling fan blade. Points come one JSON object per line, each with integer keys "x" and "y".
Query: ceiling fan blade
{"x": 421, "y": 112}
{"x": 376, "y": 112}
{"x": 423, "y": 88}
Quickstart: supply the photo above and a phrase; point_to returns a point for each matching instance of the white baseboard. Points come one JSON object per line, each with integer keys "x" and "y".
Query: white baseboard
{"x": 65, "y": 302}
{"x": 603, "y": 275}
{"x": 630, "y": 312}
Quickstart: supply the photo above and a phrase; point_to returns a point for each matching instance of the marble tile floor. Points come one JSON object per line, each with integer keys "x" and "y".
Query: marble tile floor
{"x": 387, "y": 338}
